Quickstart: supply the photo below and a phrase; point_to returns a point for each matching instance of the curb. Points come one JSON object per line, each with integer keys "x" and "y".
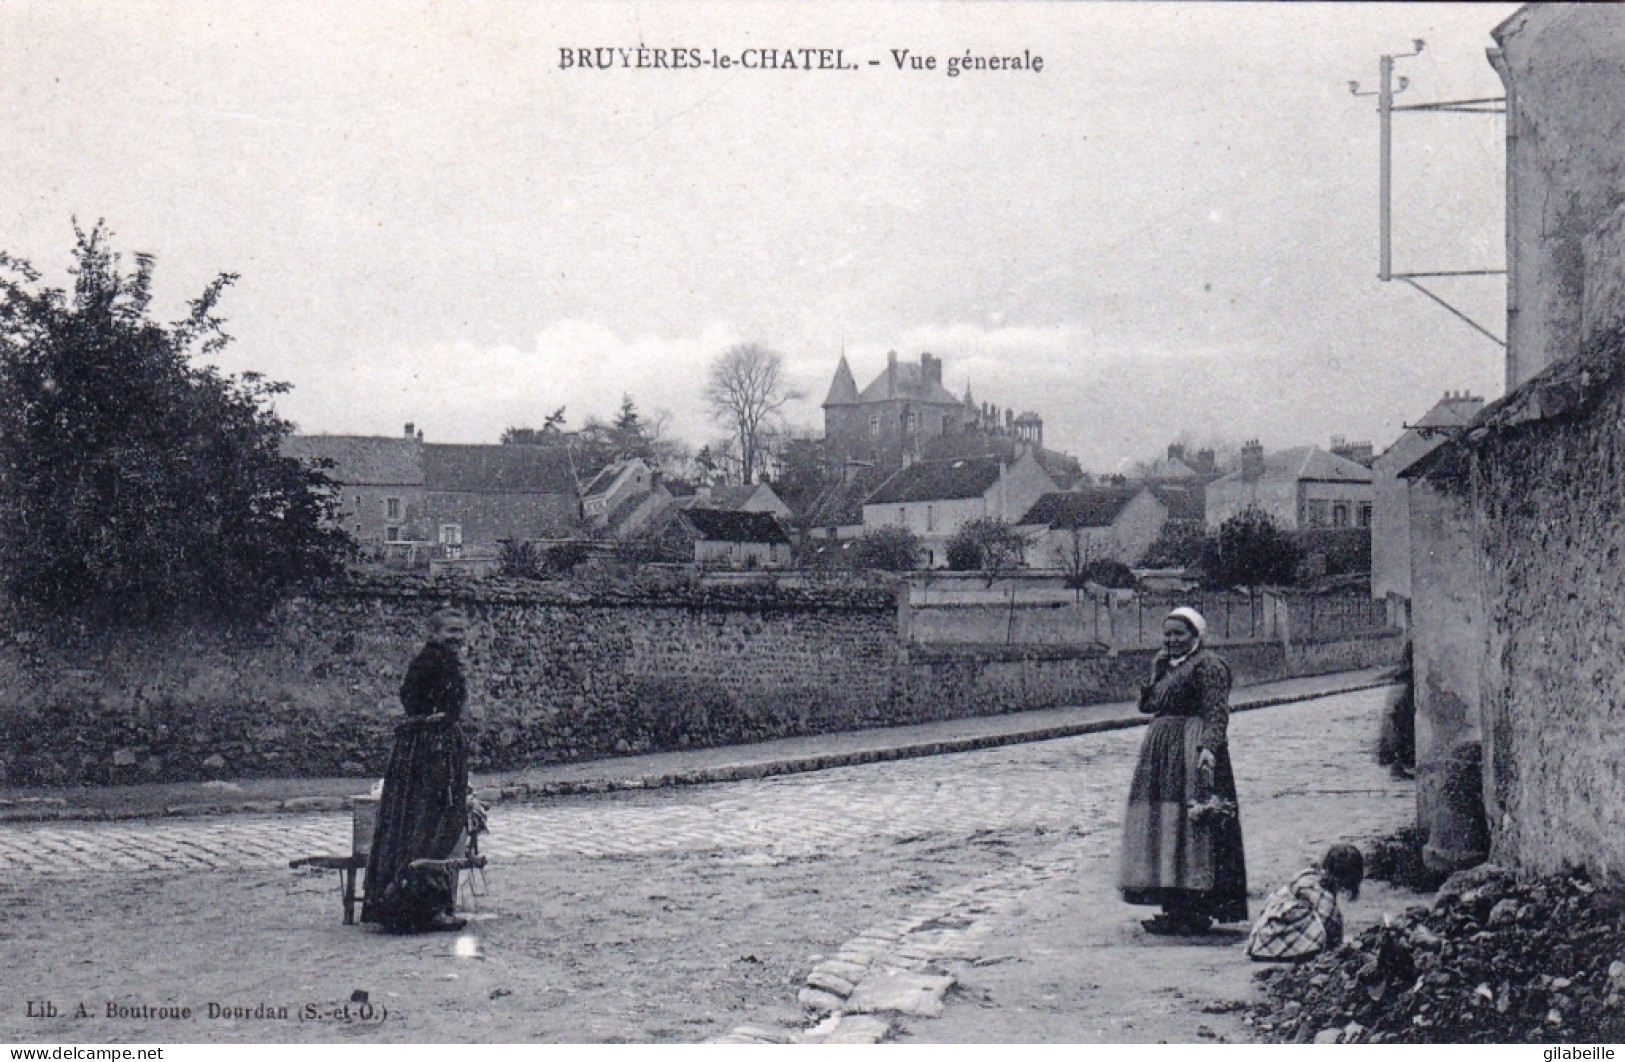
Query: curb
{"x": 49, "y": 810}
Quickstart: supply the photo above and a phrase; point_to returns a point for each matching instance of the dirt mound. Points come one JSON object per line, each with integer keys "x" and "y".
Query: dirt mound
{"x": 1397, "y": 859}
{"x": 1494, "y": 960}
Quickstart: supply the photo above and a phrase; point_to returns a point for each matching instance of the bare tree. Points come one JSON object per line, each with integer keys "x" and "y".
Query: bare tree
{"x": 745, "y": 391}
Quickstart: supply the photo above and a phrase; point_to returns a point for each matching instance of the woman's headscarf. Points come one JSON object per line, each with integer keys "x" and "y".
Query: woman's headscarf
{"x": 1192, "y": 619}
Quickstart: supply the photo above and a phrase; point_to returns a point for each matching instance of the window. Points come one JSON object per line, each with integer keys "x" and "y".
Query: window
{"x": 451, "y": 538}
{"x": 902, "y": 516}
{"x": 911, "y": 421}
{"x": 874, "y": 426}
{"x": 1365, "y": 514}
{"x": 930, "y": 518}
{"x": 392, "y": 508}
{"x": 1317, "y": 513}
{"x": 1340, "y": 515}
{"x": 392, "y": 534}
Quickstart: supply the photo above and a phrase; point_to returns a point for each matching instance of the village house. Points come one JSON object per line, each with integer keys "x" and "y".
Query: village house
{"x": 935, "y": 498}
{"x": 1390, "y": 506}
{"x": 381, "y": 480}
{"x": 724, "y": 538}
{"x": 837, "y": 513}
{"x": 1515, "y": 529}
{"x": 451, "y": 497}
{"x": 1180, "y": 466}
{"x": 1302, "y": 488}
{"x": 480, "y": 495}
{"x": 738, "y": 498}
{"x": 624, "y": 498}
{"x": 1071, "y": 528}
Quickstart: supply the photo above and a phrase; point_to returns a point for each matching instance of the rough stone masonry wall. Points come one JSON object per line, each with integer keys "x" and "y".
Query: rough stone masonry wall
{"x": 556, "y": 677}
{"x": 553, "y": 678}
{"x": 1552, "y": 497}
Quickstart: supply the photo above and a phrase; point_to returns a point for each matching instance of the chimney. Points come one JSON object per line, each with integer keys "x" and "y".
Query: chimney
{"x": 930, "y": 370}
{"x": 409, "y": 432}
{"x": 891, "y": 374}
{"x": 1176, "y": 451}
{"x": 1252, "y": 459}
{"x": 1009, "y": 418}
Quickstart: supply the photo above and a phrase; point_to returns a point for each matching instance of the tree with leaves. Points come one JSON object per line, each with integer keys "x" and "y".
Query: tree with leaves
{"x": 1179, "y": 544}
{"x": 887, "y": 549}
{"x": 989, "y": 544}
{"x": 745, "y": 390}
{"x": 134, "y": 484}
{"x": 1250, "y": 550}
{"x": 552, "y": 431}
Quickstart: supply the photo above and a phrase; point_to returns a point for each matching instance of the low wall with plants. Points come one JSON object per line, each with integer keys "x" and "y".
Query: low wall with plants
{"x": 557, "y": 673}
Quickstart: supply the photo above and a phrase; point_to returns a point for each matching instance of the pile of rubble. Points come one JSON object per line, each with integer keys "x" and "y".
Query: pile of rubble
{"x": 1494, "y": 960}
{"x": 1397, "y": 859}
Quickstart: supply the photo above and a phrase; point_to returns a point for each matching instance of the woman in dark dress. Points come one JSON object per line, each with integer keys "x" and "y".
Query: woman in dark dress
{"x": 424, "y": 809}
{"x": 1182, "y": 831}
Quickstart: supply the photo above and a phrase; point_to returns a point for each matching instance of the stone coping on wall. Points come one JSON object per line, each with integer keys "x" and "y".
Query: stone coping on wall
{"x": 568, "y": 593}
{"x": 951, "y": 652}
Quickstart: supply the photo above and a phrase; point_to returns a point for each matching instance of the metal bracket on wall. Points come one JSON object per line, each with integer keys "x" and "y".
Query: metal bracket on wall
{"x": 1386, "y": 91}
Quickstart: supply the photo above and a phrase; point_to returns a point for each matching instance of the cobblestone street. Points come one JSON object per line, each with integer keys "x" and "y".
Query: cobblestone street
{"x": 793, "y": 816}
{"x": 663, "y": 915}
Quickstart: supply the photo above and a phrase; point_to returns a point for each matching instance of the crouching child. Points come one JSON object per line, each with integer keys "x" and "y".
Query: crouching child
{"x": 1301, "y": 918}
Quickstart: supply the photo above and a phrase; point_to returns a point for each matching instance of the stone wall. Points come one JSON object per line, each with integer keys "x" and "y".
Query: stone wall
{"x": 1448, "y": 628}
{"x": 555, "y": 677}
{"x": 1553, "y": 704}
{"x": 1563, "y": 66}
{"x": 955, "y": 681}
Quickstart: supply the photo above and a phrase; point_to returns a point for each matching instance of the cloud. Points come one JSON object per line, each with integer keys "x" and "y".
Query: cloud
{"x": 465, "y": 392}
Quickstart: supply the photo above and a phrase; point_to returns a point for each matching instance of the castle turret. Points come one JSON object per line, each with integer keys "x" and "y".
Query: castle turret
{"x": 843, "y": 391}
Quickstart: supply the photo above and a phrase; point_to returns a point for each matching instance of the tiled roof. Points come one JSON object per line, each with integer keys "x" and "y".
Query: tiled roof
{"x": 1095, "y": 507}
{"x": 1306, "y": 462}
{"x": 1171, "y": 468}
{"x": 965, "y": 477}
{"x": 480, "y": 469}
{"x": 605, "y": 480}
{"x": 1451, "y": 411}
{"x": 363, "y": 460}
{"x": 1183, "y": 502}
{"x": 722, "y": 525}
{"x": 906, "y": 382}
{"x": 843, "y": 390}
{"x": 841, "y": 504}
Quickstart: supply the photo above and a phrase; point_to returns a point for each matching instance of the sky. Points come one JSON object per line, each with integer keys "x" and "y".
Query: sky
{"x": 1169, "y": 230}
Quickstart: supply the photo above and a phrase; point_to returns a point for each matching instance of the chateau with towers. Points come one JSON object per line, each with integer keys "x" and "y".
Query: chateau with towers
{"x": 906, "y": 415}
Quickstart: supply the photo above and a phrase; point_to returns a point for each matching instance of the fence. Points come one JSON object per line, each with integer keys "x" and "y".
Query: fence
{"x": 1303, "y": 617}
{"x": 1123, "y": 620}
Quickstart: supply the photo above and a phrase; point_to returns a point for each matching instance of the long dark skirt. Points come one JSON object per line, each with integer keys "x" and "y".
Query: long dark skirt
{"x": 1168, "y": 859}
{"x": 422, "y": 815}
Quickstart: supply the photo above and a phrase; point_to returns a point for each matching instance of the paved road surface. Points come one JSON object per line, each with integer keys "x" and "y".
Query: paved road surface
{"x": 663, "y": 915}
